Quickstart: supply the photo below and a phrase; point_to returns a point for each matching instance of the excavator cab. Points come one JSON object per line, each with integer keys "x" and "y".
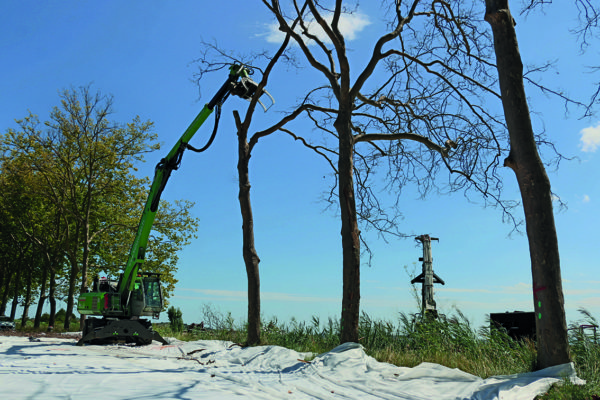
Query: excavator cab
{"x": 153, "y": 296}
{"x": 145, "y": 300}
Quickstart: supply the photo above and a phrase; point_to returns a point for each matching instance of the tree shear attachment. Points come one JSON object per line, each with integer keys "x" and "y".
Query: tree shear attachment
{"x": 246, "y": 88}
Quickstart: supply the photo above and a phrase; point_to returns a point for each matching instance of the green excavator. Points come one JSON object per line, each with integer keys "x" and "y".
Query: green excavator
{"x": 114, "y": 308}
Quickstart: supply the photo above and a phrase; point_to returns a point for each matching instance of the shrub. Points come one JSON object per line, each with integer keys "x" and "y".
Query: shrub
{"x": 61, "y": 314}
{"x": 175, "y": 319}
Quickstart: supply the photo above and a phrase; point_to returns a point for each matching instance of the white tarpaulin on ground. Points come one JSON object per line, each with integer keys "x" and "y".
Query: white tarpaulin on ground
{"x": 57, "y": 369}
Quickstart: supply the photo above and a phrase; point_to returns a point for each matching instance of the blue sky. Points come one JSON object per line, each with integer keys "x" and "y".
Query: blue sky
{"x": 143, "y": 52}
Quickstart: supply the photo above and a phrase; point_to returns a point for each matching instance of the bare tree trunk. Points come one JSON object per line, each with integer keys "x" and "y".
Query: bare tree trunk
{"x": 3, "y": 290}
{"x": 52, "y": 300}
{"x": 27, "y": 300}
{"x": 40, "y": 306}
{"x": 13, "y": 307}
{"x": 84, "y": 270}
{"x": 70, "y": 296}
{"x": 524, "y": 160}
{"x": 73, "y": 274}
{"x": 6, "y": 285}
{"x": 350, "y": 233}
{"x": 251, "y": 258}
{"x": 86, "y": 251}
{"x": 15, "y": 302}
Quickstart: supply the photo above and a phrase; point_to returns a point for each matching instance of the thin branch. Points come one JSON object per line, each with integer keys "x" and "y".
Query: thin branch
{"x": 376, "y": 55}
{"x": 274, "y": 7}
{"x": 317, "y": 149}
{"x": 285, "y": 120}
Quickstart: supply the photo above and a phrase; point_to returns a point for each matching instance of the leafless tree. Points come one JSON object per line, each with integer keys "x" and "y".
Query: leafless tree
{"x": 534, "y": 185}
{"x": 586, "y": 30}
{"x": 423, "y": 102}
{"x": 427, "y": 111}
{"x": 214, "y": 59}
{"x": 588, "y": 12}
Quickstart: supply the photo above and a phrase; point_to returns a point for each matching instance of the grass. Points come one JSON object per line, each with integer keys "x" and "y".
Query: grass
{"x": 407, "y": 342}
{"x": 451, "y": 342}
{"x": 58, "y": 326}
{"x": 585, "y": 352}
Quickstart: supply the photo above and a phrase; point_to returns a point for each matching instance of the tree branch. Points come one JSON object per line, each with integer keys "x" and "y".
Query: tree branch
{"x": 444, "y": 151}
{"x": 330, "y": 75}
{"x": 317, "y": 149}
{"x": 376, "y": 55}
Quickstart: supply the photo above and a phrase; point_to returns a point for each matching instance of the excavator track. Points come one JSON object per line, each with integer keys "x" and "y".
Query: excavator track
{"x": 105, "y": 331}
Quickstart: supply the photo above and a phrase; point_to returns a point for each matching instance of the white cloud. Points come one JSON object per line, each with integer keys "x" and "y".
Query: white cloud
{"x": 210, "y": 294}
{"x": 590, "y": 138}
{"x": 350, "y": 25}
{"x": 581, "y": 292}
{"x": 462, "y": 290}
{"x": 586, "y": 198}
{"x": 587, "y": 303}
{"x": 519, "y": 288}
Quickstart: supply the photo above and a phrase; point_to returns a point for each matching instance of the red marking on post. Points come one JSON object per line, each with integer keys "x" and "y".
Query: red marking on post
{"x": 537, "y": 289}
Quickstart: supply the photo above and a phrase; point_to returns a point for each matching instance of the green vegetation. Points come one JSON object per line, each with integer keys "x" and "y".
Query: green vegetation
{"x": 59, "y": 328}
{"x": 175, "y": 319}
{"x": 58, "y": 323}
{"x": 70, "y": 200}
{"x": 585, "y": 351}
{"x": 451, "y": 342}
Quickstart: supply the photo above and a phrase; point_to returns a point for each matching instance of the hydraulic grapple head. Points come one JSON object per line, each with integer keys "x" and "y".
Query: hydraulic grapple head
{"x": 246, "y": 87}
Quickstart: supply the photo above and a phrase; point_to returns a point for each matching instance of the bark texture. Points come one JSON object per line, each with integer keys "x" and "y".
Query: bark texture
{"x": 6, "y": 290}
{"x": 40, "y": 306}
{"x": 15, "y": 302}
{"x": 524, "y": 160}
{"x": 350, "y": 232}
{"x": 251, "y": 259}
{"x": 52, "y": 300}
{"x": 27, "y": 301}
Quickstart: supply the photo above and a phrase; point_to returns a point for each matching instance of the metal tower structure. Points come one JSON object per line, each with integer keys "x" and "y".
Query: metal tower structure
{"x": 427, "y": 278}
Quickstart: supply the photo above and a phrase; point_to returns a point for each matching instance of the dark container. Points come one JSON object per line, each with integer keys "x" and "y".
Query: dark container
{"x": 518, "y": 324}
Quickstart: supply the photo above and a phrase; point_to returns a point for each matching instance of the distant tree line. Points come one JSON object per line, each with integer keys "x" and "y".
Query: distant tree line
{"x": 70, "y": 204}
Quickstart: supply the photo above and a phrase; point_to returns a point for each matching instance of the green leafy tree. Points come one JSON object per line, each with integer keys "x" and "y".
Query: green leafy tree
{"x": 85, "y": 163}
{"x": 29, "y": 214}
{"x": 21, "y": 263}
{"x": 175, "y": 319}
{"x": 96, "y": 156}
{"x": 173, "y": 229}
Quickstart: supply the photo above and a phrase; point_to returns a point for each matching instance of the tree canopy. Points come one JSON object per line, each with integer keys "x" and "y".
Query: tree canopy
{"x": 70, "y": 193}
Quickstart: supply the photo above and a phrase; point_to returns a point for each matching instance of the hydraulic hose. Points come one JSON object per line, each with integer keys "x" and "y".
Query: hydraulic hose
{"x": 214, "y": 132}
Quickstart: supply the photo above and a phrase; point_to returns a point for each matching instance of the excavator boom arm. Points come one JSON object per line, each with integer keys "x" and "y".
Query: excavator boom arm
{"x": 139, "y": 292}
{"x": 163, "y": 172}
